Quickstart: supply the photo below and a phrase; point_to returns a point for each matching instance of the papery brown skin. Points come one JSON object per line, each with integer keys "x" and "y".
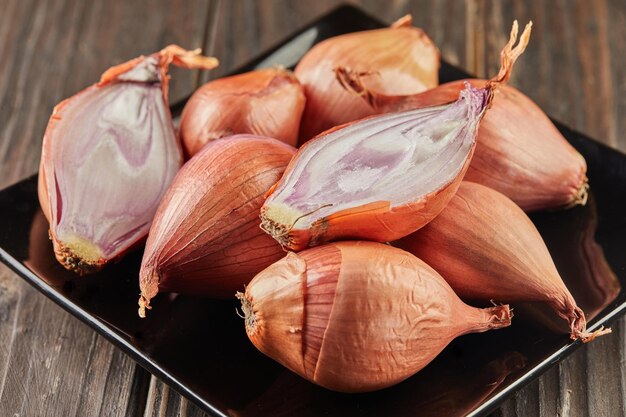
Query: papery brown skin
{"x": 357, "y": 316}
{"x": 486, "y": 248}
{"x": 267, "y": 102}
{"x": 401, "y": 57}
{"x": 109, "y": 152}
{"x": 205, "y": 238}
{"x": 519, "y": 151}
{"x": 383, "y": 177}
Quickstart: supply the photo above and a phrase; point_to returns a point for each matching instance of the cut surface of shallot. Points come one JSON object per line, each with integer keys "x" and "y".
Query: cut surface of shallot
{"x": 388, "y": 161}
{"x": 357, "y": 316}
{"x": 109, "y": 153}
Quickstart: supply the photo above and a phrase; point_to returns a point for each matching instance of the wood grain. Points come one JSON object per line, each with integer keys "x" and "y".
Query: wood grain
{"x": 572, "y": 69}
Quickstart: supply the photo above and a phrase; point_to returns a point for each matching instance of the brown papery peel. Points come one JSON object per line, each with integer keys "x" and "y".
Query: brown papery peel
{"x": 205, "y": 238}
{"x": 357, "y": 316}
{"x": 267, "y": 102}
{"x": 403, "y": 58}
{"x": 383, "y": 177}
{"x": 486, "y": 247}
{"x": 519, "y": 151}
{"x": 109, "y": 153}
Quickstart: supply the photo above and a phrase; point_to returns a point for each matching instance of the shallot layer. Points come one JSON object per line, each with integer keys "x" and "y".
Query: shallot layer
{"x": 357, "y": 316}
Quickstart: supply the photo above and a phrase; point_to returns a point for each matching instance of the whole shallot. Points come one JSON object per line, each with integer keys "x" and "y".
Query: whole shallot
{"x": 486, "y": 248}
{"x": 402, "y": 56}
{"x": 383, "y": 177}
{"x": 357, "y": 316}
{"x": 267, "y": 102}
{"x": 109, "y": 153}
{"x": 205, "y": 238}
{"x": 519, "y": 151}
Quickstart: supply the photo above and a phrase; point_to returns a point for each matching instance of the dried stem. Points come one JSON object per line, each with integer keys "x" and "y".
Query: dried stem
{"x": 509, "y": 55}
{"x": 403, "y": 22}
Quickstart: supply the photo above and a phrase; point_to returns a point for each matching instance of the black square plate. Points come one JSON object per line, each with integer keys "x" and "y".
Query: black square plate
{"x": 200, "y": 348}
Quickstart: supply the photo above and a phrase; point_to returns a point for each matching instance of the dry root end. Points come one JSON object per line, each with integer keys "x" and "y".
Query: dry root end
{"x": 578, "y": 327}
{"x": 500, "y": 316}
{"x": 588, "y": 337}
{"x": 581, "y": 196}
{"x": 279, "y": 220}
{"x": 144, "y": 304}
{"x": 279, "y": 231}
{"x": 246, "y": 307}
{"x": 79, "y": 256}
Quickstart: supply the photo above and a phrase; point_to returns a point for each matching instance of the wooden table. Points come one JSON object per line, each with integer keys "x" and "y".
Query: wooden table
{"x": 53, "y": 365}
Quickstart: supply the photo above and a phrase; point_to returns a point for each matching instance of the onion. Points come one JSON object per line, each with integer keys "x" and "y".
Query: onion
{"x": 384, "y": 177}
{"x": 403, "y": 59}
{"x": 267, "y": 102}
{"x": 109, "y": 153}
{"x": 357, "y": 316}
{"x": 486, "y": 248}
{"x": 205, "y": 237}
{"x": 519, "y": 151}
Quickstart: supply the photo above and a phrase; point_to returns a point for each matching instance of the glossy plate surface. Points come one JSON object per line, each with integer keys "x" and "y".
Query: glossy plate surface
{"x": 200, "y": 348}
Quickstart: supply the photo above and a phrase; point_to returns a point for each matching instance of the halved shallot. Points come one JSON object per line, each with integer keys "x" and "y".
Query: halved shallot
{"x": 357, "y": 316}
{"x": 403, "y": 57}
{"x": 109, "y": 153}
{"x": 383, "y": 177}
{"x": 519, "y": 151}
{"x": 267, "y": 102}
{"x": 205, "y": 238}
{"x": 486, "y": 248}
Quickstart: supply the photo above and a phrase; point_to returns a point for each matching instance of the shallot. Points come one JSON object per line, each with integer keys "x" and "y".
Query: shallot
{"x": 357, "y": 316}
{"x": 383, "y": 177}
{"x": 205, "y": 239}
{"x": 403, "y": 57}
{"x": 267, "y": 102}
{"x": 486, "y": 248}
{"x": 109, "y": 153}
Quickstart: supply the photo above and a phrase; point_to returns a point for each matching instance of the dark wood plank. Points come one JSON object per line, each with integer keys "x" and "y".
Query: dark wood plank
{"x": 51, "y": 364}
